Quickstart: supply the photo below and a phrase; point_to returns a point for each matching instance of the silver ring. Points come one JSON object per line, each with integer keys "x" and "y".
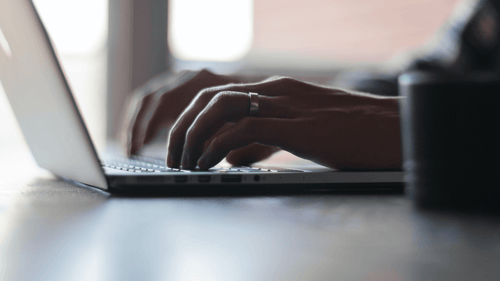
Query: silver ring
{"x": 254, "y": 104}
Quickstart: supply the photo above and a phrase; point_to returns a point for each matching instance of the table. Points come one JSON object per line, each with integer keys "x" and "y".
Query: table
{"x": 54, "y": 230}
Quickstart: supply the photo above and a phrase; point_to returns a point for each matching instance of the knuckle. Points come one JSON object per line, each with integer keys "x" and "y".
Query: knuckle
{"x": 143, "y": 100}
{"x": 206, "y": 95}
{"x": 272, "y": 78}
{"x": 223, "y": 95}
{"x": 175, "y": 126}
{"x": 163, "y": 93}
{"x": 221, "y": 98}
{"x": 189, "y": 133}
{"x": 174, "y": 132}
{"x": 277, "y": 83}
{"x": 285, "y": 80}
{"x": 225, "y": 103}
{"x": 279, "y": 79}
{"x": 143, "y": 104}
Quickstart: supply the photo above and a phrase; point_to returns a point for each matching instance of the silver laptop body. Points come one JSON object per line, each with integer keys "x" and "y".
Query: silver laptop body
{"x": 59, "y": 141}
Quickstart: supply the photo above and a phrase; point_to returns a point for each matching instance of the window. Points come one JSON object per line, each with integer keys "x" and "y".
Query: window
{"x": 216, "y": 30}
{"x": 297, "y": 33}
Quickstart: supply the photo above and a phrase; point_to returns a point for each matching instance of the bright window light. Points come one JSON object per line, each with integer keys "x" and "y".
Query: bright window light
{"x": 77, "y": 27}
{"x": 216, "y": 30}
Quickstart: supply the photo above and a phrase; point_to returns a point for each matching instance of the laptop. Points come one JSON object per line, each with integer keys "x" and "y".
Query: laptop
{"x": 59, "y": 140}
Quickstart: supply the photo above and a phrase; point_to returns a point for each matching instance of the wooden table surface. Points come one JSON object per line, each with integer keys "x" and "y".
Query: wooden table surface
{"x": 55, "y": 230}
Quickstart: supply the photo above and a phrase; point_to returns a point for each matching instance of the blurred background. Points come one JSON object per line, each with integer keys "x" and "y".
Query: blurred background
{"x": 109, "y": 47}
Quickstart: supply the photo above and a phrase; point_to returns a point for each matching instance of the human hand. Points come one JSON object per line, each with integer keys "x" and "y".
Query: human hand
{"x": 332, "y": 127}
{"x": 153, "y": 110}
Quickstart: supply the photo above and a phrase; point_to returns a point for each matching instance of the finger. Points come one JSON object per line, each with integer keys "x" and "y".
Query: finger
{"x": 136, "y": 130}
{"x": 266, "y": 131}
{"x": 158, "y": 116}
{"x": 142, "y": 105}
{"x": 134, "y": 113}
{"x": 174, "y": 101}
{"x": 226, "y": 107}
{"x": 273, "y": 88}
{"x": 250, "y": 154}
{"x": 160, "y": 121}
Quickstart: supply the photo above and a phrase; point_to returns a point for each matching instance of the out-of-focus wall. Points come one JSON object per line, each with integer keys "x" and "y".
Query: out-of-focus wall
{"x": 345, "y": 30}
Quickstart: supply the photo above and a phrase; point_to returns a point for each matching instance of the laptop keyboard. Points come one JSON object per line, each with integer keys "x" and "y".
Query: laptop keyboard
{"x": 140, "y": 164}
